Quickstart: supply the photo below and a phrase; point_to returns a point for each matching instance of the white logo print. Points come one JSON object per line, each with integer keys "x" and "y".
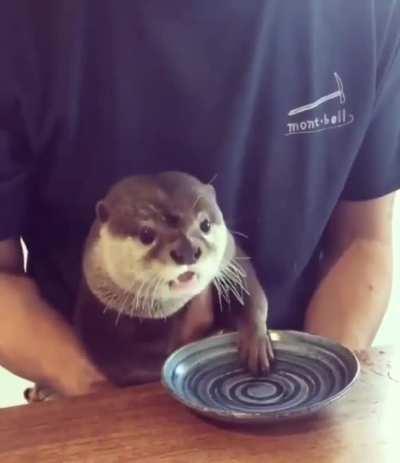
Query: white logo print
{"x": 324, "y": 121}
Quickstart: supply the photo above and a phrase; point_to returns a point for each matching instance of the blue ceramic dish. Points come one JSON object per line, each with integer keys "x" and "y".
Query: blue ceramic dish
{"x": 308, "y": 374}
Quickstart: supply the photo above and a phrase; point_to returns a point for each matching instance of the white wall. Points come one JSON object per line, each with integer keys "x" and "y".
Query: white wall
{"x": 389, "y": 332}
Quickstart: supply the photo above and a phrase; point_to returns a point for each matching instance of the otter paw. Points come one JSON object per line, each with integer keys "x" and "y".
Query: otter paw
{"x": 256, "y": 351}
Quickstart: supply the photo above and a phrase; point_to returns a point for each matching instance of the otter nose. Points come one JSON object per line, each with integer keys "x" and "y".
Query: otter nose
{"x": 185, "y": 254}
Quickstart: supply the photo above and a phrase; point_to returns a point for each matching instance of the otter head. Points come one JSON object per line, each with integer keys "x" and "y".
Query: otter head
{"x": 161, "y": 240}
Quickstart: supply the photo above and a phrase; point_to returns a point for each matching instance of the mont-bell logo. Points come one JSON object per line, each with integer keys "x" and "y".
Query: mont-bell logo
{"x": 322, "y": 121}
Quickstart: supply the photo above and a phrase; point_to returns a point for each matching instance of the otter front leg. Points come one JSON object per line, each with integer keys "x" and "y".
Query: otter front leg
{"x": 255, "y": 346}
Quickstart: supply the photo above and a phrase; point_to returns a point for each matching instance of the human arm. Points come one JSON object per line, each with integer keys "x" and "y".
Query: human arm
{"x": 35, "y": 342}
{"x": 352, "y": 296}
{"x": 356, "y": 275}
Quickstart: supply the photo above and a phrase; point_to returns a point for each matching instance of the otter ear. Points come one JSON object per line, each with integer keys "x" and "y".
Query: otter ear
{"x": 102, "y": 212}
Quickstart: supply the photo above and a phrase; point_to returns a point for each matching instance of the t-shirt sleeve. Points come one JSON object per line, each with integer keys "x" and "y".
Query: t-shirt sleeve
{"x": 15, "y": 175}
{"x": 376, "y": 170}
{"x": 16, "y": 156}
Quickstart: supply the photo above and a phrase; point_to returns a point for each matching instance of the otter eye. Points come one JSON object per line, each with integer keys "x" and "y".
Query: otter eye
{"x": 147, "y": 235}
{"x": 205, "y": 226}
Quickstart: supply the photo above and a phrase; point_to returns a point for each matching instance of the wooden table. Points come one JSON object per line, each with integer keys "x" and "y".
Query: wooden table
{"x": 144, "y": 424}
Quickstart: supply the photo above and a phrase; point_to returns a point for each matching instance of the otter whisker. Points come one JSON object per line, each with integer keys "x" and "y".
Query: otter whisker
{"x": 120, "y": 305}
{"x": 110, "y": 296}
{"x": 224, "y": 289}
{"x": 217, "y": 287}
{"x": 212, "y": 179}
{"x": 107, "y": 307}
{"x": 236, "y": 271}
{"x": 131, "y": 304}
{"x": 234, "y": 275}
{"x": 238, "y": 233}
{"x": 152, "y": 293}
{"x": 238, "y": 258}
{"x": 236, "y": 290}
{"x": 241, "y": 283}
{"x": 124, "y": 303}
{"x": 233, "y": 288}
{"x": 147, "y": 293}
{"x": 237, "y": 279}
{"x": 138, "y": 295}
{"x": 154, "y": 302}
{"x": 143, "y": 298}
{"x": 237, "y": 267}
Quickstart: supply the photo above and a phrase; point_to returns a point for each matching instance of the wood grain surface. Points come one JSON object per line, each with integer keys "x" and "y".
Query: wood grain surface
{"x": 144, "y": 424}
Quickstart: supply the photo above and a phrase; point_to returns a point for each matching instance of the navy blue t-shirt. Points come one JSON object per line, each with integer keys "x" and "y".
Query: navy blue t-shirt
{"x": 293, "y": 105}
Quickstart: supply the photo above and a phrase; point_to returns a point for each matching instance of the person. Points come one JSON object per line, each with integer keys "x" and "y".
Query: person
{"x": 291, "y": 107}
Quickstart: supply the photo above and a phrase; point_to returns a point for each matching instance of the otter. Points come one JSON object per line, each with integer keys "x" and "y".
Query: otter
{"x": 157, "y": 251}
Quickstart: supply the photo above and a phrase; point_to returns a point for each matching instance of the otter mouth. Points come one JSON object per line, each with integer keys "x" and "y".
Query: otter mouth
{"x": 186, "y": 281}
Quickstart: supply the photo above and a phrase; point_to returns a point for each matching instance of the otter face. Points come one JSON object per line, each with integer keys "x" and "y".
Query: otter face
{"x": 162, "y": 240}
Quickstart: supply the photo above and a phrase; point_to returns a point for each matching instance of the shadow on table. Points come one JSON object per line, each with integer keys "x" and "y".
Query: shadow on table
{"x": 284, "y": 427}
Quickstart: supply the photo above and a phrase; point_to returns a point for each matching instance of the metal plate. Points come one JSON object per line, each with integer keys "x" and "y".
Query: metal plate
{"x": 309, "y": 373}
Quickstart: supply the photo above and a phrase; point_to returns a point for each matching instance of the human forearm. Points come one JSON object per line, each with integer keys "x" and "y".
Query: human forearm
{"x": 37, "y": 344}
{"x": 352, "y": 297}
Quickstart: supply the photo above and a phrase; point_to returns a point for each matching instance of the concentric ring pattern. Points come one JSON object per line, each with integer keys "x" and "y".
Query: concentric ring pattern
{"x": 308, "y": 373}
